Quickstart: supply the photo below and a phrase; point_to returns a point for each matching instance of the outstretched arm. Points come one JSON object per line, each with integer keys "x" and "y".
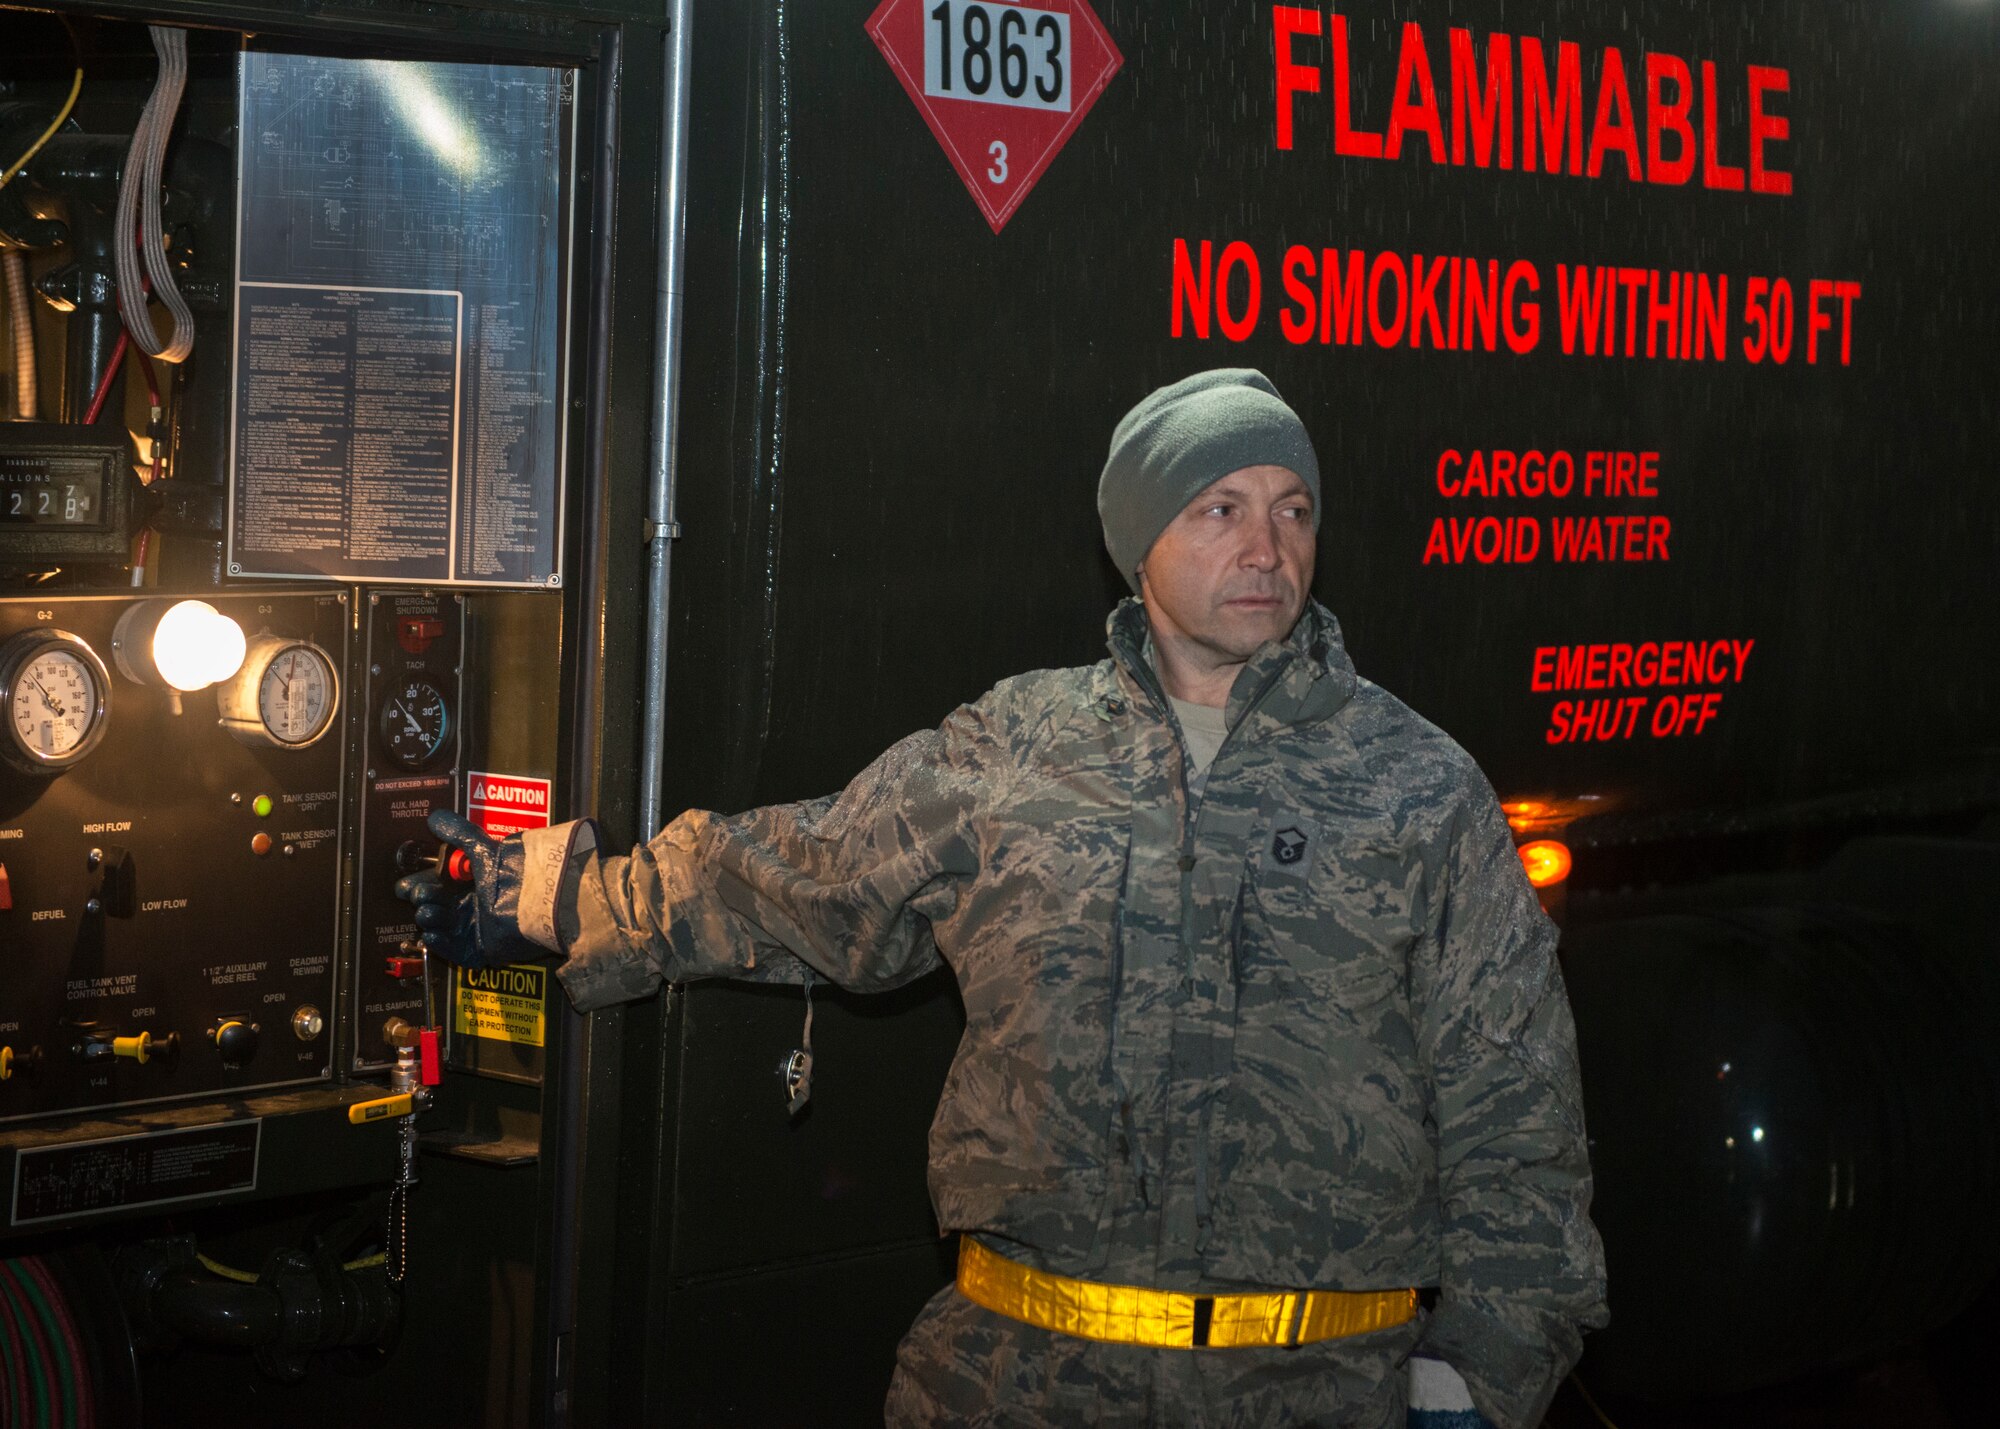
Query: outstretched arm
{"x": 847, "y": 886}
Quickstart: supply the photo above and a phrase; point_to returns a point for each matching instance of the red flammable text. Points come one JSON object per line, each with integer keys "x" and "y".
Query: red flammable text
{"x": 1668, "y": 137}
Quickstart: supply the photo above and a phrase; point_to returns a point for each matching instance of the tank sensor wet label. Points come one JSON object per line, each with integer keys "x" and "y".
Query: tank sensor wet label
{"x": 502, "y": 1004}
{"x": 86, "y": 1178}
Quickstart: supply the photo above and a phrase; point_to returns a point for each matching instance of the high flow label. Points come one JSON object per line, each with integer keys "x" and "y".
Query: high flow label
{"x": 1002, "y": 85}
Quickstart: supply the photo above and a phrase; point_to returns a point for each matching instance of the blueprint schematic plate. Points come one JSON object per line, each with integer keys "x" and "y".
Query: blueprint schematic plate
{"x": 402, "y": 294}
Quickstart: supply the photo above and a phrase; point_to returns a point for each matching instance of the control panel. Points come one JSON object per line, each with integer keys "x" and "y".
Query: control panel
{"x": 170, "y": 845}
{"x": 409, "y": 717}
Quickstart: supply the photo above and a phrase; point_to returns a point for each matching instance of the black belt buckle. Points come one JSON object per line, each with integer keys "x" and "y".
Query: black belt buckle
{"x": 1204, "y": 1312}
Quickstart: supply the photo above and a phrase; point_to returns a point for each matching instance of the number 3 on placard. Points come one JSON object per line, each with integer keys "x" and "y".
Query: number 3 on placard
{"x": 998, "y": 151}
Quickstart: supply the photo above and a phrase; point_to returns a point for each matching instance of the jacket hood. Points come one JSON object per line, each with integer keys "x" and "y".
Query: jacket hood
{"x": 1304, "y": 678}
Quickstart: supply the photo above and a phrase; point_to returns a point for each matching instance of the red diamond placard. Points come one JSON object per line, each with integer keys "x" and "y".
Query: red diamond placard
{"x": 1002, "y": 83}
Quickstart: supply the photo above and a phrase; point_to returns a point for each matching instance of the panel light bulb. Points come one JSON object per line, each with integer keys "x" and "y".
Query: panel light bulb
{"x": 195, "y": 645}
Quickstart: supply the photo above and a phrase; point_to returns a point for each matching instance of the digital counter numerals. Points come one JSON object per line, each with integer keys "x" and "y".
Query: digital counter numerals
{"x": 32, "y": 494}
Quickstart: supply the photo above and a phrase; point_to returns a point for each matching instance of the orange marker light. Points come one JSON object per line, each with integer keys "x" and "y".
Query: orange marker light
{"x": 1547, "y": 861}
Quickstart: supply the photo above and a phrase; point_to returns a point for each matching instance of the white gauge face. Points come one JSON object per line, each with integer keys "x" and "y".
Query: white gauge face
{"x": 295, "y": 695}
{"x": 54, "y": 704}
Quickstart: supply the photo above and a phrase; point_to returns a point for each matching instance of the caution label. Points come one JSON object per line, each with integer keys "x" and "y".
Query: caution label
{"x": 507, "y": 1004}
{"x": 503, "y": 804}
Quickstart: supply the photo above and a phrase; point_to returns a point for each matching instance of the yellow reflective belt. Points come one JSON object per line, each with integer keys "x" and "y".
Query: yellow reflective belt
{"x": 1167, "y": 1319}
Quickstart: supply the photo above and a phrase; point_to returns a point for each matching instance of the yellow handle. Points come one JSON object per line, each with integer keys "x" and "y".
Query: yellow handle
{"x": 361, "y": 1113}
{"x": 216, "y": 1036}
{"x": 137, "y": 1048}
{"x": 6, "y": 1063}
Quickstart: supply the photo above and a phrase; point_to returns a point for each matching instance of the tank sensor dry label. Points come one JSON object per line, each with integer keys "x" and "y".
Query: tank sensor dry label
{"x": 501, "y": 1004}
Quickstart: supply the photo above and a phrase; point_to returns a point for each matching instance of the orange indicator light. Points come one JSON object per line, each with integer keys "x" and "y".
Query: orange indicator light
{"x": 1546, "y": 861}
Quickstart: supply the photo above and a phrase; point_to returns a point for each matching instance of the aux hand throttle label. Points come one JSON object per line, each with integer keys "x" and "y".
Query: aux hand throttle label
{"x": 1002, "y": 85}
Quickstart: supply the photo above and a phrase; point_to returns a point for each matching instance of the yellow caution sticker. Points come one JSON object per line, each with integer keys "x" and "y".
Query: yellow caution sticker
{"x": 507, "y": 1004}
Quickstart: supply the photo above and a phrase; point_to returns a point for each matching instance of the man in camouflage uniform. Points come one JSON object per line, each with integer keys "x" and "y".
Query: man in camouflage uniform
{"x": 1257, "y": 996}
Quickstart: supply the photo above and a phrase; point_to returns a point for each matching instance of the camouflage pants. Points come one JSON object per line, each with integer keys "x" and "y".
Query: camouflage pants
{"x": 963, "y": 1365}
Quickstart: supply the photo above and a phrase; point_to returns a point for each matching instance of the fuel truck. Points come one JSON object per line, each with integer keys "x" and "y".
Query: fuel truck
{"x": 540, "y": 408}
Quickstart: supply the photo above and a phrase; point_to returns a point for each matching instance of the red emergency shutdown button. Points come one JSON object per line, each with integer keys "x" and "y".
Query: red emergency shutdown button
{"x": 1002, "y": 85}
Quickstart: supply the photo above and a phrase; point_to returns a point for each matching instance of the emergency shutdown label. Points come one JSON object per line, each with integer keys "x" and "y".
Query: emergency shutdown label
{"x": 1002, "y": 85}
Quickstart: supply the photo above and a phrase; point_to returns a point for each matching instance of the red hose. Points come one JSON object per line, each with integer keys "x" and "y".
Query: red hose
{"x": 79, "y": 1357}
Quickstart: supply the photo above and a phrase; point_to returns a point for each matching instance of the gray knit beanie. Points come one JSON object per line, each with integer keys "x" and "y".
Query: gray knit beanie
{"x": 1187, "y": 436}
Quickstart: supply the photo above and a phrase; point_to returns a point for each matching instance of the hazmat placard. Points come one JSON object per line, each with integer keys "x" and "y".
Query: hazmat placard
{"x": 1002, "y": 86}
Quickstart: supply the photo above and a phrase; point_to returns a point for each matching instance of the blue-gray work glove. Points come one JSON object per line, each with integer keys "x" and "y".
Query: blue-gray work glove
{"x": 479, "y": 929}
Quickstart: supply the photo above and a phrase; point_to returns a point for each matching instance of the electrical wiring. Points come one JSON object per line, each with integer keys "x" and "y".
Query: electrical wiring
{"x": 75, "y": 88}
{"x": 230, "y": 1272}
{"x": 1602, "y": 1417}
{"x": 104, "y": 382}
{"x": 152, "y": 382}
{"x": 138, "y": 230}
{"x": 21, "y": 327}
{"x": 227, "y": 1272}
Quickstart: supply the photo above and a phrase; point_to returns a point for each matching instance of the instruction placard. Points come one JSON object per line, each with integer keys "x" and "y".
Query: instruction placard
{"x": 401, "y": 309}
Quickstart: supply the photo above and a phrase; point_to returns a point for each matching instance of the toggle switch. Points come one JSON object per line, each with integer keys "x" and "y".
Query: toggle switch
{"x": 117, "y": 881}
{"x": 402, "y": 967}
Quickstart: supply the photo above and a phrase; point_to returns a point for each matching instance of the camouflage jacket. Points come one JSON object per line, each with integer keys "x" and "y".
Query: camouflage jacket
{"x": 1328, "y": 976}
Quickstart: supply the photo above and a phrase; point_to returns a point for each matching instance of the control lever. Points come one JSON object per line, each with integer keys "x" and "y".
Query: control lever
{"x": 411, "y": 858}
{"x": 414, "y": 960}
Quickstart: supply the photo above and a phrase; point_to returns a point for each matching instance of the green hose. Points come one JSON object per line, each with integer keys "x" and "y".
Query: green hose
{"x": 63, "y": 1389}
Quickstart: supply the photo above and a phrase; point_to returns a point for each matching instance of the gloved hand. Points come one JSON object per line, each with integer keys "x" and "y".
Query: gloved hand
{"x": 479, "y": 929}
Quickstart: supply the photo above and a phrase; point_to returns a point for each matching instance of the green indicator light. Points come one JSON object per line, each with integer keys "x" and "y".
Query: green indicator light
{"x": 262, "y": 806}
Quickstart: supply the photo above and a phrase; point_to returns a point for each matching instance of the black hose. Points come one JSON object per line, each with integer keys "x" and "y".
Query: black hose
{"x": 215, "y": 1311}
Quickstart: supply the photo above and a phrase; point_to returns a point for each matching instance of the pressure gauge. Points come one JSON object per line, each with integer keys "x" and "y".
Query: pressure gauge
{"x": 285, "y": 694}
{"x": 55, "y": 699}
{"x": 415, "y": 722}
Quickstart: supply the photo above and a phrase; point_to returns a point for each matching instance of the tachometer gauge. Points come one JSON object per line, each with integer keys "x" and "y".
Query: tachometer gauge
{"x": 415, "y": 722}
{"x": 285, "y": 694}
{"x": 55, "y": 700}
